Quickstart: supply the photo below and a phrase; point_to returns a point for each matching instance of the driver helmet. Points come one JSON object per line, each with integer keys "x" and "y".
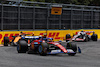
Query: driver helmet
{"x": 33, "y": 34}
{"x": 44, "y": 35}
{"x": 82, "y": 30}
{"x": 21, "y": 33}
{"x": 50, "y": 39}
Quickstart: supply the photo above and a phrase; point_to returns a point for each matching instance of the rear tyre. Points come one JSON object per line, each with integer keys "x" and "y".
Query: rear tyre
{"x": 22, "y": 46}
{"x": 67, "y": 36}
{"x": 73, "y": 47}
{"x": 42, "y": 49}
{"x": 94, "y": 37}
{"x": 6, "y": 41}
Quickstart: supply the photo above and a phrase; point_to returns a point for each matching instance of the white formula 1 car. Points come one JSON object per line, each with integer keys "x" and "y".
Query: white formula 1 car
{"x": 83, "y": 36}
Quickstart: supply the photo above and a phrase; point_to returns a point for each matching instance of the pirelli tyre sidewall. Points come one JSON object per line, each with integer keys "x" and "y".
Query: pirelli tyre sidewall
{"x": 73, "y": 47}
{"x": 94, "y": 37}
{"x": 22, "y": 46}
{"x": 6, "y": 41}
{"x": 42, "y": 49}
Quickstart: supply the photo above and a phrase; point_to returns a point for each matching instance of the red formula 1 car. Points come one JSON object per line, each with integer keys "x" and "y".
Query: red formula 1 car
{"x": 83, "y": 36}
{"x": 45, "y": 46}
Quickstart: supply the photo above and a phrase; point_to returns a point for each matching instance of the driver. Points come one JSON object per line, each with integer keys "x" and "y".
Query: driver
{"x": 81, "y": 32}
{"x": 44, "y": 35}
{"x": 21, "y": 34}
{"x": 81, "y": 35}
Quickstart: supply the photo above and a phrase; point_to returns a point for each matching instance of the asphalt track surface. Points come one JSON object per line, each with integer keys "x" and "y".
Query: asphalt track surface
{"x": 90, "y": 57}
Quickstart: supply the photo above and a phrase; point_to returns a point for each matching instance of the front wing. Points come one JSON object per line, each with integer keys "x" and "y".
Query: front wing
{"x": 60, "y": 51}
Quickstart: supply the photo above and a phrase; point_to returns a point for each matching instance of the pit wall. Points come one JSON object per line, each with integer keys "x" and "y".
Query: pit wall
{"x": 56, "y": 34}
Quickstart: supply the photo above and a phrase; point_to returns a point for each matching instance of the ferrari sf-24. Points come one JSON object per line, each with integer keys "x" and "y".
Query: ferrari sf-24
{"x": 45, "y": 46}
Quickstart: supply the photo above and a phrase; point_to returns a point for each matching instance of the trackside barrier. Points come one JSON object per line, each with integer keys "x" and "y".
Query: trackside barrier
{"x": 56, "y": 34}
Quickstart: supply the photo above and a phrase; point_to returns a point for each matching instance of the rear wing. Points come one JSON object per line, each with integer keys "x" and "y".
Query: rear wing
{"x": 28, "y": 33}
{"x": 87, "y": 32}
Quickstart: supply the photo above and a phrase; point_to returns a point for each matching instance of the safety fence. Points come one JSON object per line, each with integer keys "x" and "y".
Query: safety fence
{"x": 36, "y": 15}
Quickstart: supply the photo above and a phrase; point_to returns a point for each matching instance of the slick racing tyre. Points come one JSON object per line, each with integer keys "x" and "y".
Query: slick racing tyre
{"x": 22, "y": 46}
{"x": 67, "y": 36}
{"x": 94, "y": 37}
{"x": 6, "y": 41}
{"x": 42, "y": 49}
{"x": 73, "y": 47}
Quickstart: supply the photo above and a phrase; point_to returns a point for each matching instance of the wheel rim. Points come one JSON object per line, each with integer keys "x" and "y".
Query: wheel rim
{"x": 40, "y": 48}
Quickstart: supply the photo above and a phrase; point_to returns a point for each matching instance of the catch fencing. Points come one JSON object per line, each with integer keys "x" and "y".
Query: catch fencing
{"x": 36, "y": 15}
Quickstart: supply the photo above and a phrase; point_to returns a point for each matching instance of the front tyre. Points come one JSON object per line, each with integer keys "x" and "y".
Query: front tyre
{"x": 42, "y": 49}
{"x": 73, "y": 47}
{"x": 86, "y": 38}
{"x": 22, "y": 46}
